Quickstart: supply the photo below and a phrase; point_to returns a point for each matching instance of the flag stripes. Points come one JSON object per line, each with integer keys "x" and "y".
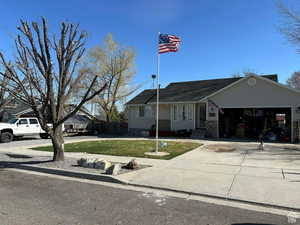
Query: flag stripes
{"x": 168, "y": 43}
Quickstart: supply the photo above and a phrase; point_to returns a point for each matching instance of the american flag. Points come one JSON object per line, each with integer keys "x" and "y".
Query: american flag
{"x": 168, "y": 43}
{"x": 212, "y": 103}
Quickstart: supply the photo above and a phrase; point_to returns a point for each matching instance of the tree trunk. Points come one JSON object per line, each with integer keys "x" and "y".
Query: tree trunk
{"x": 58, "y": 144}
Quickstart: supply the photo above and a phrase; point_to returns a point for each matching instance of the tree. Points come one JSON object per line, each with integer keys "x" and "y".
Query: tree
{"x": 294, "y": 80}
{"x": 290, "y": 25}
{"x": 244, "y": 73}
{"x": 49, "y": 64}
{"x": 114, "y": 63}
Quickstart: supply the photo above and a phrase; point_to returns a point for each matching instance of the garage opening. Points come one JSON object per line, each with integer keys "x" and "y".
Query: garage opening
{"x": 249, "y": 123}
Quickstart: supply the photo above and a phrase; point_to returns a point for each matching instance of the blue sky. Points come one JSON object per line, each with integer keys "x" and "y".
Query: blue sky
{"x": 219, "y": 37}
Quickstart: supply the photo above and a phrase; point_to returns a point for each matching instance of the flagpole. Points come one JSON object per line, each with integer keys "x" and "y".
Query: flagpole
{"x": 157, "y": 96}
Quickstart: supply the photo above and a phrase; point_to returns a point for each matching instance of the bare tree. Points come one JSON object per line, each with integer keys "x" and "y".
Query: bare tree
{"x": 246, "y": 72}
{"x": 290, "y": 25}
{"x": 115, "y": 64}
{"x": 49, "y": 67}
{"x": 5, "y": 96}
{"x": 294, "y": 80}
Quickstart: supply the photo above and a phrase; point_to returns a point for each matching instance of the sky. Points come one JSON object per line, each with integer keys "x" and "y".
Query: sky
{"x": 219, "y": 37}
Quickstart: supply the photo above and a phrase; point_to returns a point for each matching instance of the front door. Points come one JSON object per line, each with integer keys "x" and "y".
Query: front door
{"x": 200, "y": 115}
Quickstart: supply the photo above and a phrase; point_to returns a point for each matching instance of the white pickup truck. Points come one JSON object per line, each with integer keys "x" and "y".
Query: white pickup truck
{"x": 21, "y": 127}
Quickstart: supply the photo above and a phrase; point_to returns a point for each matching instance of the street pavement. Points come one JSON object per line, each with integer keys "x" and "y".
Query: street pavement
{"x": 28, "y": 199}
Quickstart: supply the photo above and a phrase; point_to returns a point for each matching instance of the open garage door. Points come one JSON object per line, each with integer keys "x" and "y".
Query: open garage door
{"x": 248, "y": 123}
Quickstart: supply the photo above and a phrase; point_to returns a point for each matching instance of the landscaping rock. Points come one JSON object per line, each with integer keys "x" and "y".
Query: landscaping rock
{"x": 81, "y": 162}
{"x": 132, "y": 165}
{"x": 114, "y": 169}
{"x": 90, "y": 163}
{"x": 103, "y": 164}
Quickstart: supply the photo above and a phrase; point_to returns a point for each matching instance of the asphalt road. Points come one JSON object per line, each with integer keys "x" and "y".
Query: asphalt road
{"x": 38, "y": 200}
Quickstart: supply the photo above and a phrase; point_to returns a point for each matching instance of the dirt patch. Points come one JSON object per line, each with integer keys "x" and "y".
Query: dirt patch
{"x": 221, "y": 148}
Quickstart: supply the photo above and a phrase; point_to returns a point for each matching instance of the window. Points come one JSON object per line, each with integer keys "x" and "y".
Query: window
{"x": 23, "y": 121}
{"x": 141, "y": 111}
{"x": 33, "y": 121}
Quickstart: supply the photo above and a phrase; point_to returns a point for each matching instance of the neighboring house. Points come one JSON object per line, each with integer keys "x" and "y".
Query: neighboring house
{"x": 231, "y": 107}
{"x": 14, "y": 109}
{"x": 77, "y": 123}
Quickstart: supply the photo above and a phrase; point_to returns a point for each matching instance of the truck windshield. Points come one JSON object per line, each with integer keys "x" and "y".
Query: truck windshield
{"x": 12, "y": 121}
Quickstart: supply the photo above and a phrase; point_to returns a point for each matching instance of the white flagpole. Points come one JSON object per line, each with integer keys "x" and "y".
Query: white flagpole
{"x": 157, "y": 95}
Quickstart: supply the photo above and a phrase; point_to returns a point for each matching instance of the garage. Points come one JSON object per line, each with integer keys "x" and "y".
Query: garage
{"x": 252, "y": 106}
{"x": 248, "y": 123}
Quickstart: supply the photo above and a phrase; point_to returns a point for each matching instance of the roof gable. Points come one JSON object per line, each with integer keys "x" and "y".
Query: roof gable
{"x": 255, "y": 93}
{"x": 189, "y": 91}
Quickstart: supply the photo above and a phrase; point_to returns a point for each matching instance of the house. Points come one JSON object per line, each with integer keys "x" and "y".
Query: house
{"x": 243, "y": 107}
{"x": 77, "y": 123}
{"x": 14, "y": 109}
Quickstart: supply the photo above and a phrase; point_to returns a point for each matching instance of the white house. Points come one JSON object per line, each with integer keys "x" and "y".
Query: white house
{"x": 231, "y": 107}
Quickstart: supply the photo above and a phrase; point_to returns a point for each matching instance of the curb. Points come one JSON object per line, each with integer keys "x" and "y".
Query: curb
{"x": 268, "y": 205}
{"x": 68, "y": 173}
{"x": 112, "y": 179}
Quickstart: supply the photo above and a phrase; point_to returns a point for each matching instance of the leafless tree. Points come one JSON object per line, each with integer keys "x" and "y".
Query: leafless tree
{"x": 294, "y": 80}
{"x": 5, "y": 96}
{"x": 290, "y": 25}
{"x": 49, "y": 66}
{"x": 246, "y": 72}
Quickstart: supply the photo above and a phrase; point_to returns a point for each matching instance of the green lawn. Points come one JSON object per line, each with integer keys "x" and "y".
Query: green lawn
{"x": 132, "y": 148}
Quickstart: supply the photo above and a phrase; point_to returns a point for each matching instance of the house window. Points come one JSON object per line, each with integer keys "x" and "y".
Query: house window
{"x": 183, "y": 112}
{"x": 141, "y": 111}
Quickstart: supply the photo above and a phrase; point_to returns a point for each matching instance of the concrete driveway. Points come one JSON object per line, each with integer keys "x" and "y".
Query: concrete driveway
{"x": 246, "y": 154}
{"x": 271, "y": 176}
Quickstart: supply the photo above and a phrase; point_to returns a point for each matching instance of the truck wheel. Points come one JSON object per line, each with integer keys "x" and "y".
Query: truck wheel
{"x": 6, "y": 137}
{"x": 44, "y": 136}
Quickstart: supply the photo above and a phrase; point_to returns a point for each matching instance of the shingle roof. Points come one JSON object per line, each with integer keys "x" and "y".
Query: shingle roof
{"x": 187, "y": 91}
{"x": 144, "y": 97}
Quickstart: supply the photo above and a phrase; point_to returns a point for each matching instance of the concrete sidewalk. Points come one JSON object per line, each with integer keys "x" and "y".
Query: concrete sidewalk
{"x": 269, "y": 177}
